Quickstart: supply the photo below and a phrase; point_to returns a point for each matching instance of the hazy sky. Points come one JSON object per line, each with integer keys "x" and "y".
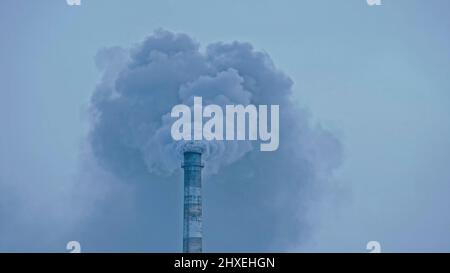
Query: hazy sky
{"x": 377, "y": 77}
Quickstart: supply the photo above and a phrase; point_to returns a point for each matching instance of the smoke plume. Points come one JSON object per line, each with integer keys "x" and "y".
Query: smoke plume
{"x": 264, "y": 193}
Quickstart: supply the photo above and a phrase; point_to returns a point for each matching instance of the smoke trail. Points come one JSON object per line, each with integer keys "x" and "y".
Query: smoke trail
{"x": 130, "y": 134}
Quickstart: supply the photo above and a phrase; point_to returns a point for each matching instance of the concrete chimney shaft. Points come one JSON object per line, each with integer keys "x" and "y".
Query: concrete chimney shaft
{"x": 192, "y": 224}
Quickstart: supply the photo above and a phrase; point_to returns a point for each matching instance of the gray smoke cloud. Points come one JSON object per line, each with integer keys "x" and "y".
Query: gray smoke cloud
{"x": 267, "y": 193}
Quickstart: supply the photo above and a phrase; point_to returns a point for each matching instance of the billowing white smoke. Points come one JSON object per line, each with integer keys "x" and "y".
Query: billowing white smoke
{"x": 140, "y": 86}
{"x": 224, "y": 87}
{"x": 267, "y": 193}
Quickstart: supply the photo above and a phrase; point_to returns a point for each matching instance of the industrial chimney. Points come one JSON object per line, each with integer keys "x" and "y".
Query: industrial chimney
{"x": 192, "y": 224}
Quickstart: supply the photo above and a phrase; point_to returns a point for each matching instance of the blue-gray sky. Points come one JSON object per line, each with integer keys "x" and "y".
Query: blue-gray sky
{"x": 377, "y": 77}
